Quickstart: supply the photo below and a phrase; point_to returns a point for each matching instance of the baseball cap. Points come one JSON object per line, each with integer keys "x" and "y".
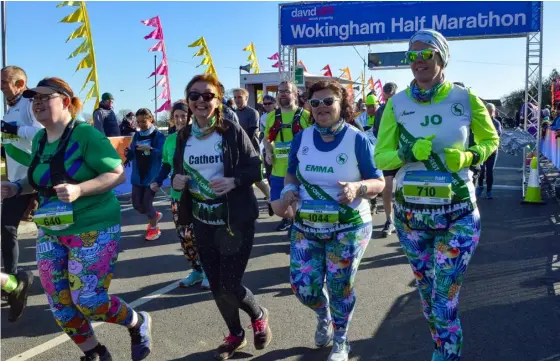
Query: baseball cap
{"x": 46, "y": 87}
{"x": 107, "y": 96}
{"x": 371, "y": 100}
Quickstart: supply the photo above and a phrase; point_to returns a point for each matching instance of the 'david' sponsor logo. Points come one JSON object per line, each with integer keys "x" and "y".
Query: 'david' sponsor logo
{"x": 312, "y": 12}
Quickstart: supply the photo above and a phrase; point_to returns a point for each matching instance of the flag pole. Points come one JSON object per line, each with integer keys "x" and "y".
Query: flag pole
{"x": 4, "y": 48}
{"x": 155, "y": 87}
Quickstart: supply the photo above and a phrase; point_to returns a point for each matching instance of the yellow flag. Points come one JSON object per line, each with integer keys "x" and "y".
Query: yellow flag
{"x": 83, "y": 48}
{"x": 90, "y": 94}
{"x": 251, "y": 57}
{"x": 206, "y": 61}
{"x": 76, "y": 17}
{"x": 210, "y": 70}
{"x": 199, "y": 42}
{"x": 87, "y": 62}
{"x": 201, "y": 51}
{"x": 249, "y": 47}
{"x": 69, "y": 3}
{"x": 80, "y": 32}
{"x": 90, "y": 77}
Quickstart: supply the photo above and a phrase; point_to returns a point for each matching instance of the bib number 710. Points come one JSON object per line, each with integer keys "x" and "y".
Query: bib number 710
{"x": 426, "y": 191}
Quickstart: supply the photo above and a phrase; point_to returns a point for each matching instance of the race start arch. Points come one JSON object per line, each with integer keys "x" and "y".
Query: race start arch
{"x": 341, "y": 23}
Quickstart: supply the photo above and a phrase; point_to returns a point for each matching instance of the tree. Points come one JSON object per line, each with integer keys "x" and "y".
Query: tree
{"x": 163, "y": 120}
{"x": 513, "y": 101}
{"x": 122, "y": 113}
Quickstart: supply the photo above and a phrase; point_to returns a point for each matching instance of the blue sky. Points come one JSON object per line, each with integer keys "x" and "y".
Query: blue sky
{"x": 36, "y": 42}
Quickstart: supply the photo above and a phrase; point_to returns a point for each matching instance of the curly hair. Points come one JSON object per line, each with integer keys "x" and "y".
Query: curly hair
{"x": 212, "y": 80}
{"x": 339, "y": 91}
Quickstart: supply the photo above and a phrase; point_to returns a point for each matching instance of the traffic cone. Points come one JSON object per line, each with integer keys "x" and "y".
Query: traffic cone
{"x": 533, "y": 193}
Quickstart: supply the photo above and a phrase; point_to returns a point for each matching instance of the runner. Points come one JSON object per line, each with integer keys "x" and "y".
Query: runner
{"x": 425, "y": 131}
{"x": 74, "y": 168}
{"x": 19, "y": 126}
{"x": 17, "y": 287}
{"x": 487, "y": 167}
{"x": 269, "y": 105}
{"x": 145, "y": 153}
{"x": 221, "y": 166}
{"x": 185, "y": 232}
{"x": 281, "y": 127}
{"x": 330, "y": 177}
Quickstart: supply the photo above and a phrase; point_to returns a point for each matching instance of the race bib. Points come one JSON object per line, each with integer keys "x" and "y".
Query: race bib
{"x": 10, "y": 138}
{"x": 427, "y": 187}
{"x": 319, "y": 214}
{"x": 55, "y": 215}
{"x": 282, "y": 149}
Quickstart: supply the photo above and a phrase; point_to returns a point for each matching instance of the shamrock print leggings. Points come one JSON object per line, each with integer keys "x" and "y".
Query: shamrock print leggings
{"x": 186, "y": 238}
{"x": 76, "y": 272}
{"x": 439, "y": 248}
{"x": 313, "y": 257}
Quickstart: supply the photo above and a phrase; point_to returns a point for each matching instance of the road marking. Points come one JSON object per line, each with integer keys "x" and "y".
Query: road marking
{"x": 506, "y": 187}
{"x": 37, "y": 350}
{"x": 158, "y": 203}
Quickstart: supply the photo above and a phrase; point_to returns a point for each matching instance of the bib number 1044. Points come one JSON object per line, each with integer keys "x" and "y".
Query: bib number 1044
{"x": 321, "y": 218}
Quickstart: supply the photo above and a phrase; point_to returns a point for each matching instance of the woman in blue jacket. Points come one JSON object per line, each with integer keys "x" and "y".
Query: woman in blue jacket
{"x": 145, "y": 153}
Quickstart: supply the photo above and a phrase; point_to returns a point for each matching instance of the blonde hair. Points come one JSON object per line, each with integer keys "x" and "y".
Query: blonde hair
{"x": 242, "y": 91}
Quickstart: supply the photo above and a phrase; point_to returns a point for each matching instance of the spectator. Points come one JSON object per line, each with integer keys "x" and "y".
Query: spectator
{"x": 104, "y": 118}
{"x": 127, "y": 127}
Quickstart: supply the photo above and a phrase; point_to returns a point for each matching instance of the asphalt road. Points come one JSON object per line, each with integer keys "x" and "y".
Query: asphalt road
{"x": 510, "y": 307}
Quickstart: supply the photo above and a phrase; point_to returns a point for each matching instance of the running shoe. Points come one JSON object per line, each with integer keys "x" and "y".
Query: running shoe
{"x": 324, "y": 332}
{"x": 17, "y": 299}
{"x": 104, "y": 355}
{"x": 261, "y": 331}
{"x": 205, "y": 285}
{"x": 231, "y": 345}
{"x": 153, "y": 233}
{"x": 388, "y": 229}
{"x": 192, "y": 279}
{"x": 489, "y": 195}
{"x": 141, "y": 338}
{"x": 284, "y": 225}
{"x": 159, "y": 216}
{"x": 340, "y": 351}
{"x": 478, "y": 191}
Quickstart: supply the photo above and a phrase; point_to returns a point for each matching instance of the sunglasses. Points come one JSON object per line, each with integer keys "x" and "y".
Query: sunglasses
{"x": 327, "y": 101}
{"x": 268, "y": 103}
{"x": 426, "y": 54}
{"x": 194, "y": 96}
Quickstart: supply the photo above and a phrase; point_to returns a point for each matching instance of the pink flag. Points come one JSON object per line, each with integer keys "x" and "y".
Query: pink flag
{"x": 161, "y": 69}
{"x": 165, "y": 94}
{"x": 276, "y": 65}
{"x": 162, "y": 82}
{"x": 156, "y": 34}
{"x": 274, "y": 57}
{"x": 157, "y": 47}
{"x": 152, "y": 22}
{"x": 378, "y": 88}
{"x": 165, "y": 106}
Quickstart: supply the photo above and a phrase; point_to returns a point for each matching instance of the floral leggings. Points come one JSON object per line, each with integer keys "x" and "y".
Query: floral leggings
{"x": 439, "y": 249}
{"x": 76, "y": 272}
{"x": 186, "y": 237}
{"x": 337, "y": 257}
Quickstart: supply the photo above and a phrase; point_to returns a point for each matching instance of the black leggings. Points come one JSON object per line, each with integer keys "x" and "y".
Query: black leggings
{"x": 13, "y": 210}
{"x": 224, "y": 259}
{"x": 142, "y": 200}
{"x": 487, "y": 169}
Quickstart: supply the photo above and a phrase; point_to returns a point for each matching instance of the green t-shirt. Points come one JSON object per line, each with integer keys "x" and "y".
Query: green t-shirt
{"x": 88, "y": 154}
{"x": 281, "y": 151}
{"x": 167, "y": 158}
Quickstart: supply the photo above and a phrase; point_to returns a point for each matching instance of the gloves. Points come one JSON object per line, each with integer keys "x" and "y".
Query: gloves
{"x": 457, "y": 159}
{"x": 9, "y": 128}
{"x": 422, "y": 148}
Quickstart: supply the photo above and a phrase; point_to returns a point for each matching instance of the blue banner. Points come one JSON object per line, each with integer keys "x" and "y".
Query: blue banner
{"x": 354, "y": 22}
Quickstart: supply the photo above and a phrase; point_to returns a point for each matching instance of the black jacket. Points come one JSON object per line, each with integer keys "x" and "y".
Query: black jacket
{"x": 241, "y": 161}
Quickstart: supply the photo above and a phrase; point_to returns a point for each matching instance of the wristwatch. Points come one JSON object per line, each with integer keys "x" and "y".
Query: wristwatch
{"x": 363, "y": 190}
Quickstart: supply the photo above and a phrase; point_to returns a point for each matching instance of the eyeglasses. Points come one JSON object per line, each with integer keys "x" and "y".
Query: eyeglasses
{"x": 268, "y": 103}
{"x": 39, "y": 98}
{"x": 327, "y": 101}
{"x": 194, "y": 96}
{"x": 426, "y": 54}
{"x": 284, "y": 91}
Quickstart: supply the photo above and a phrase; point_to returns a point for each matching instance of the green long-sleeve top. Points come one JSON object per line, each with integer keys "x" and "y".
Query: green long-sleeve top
{"x": 416, "y": 120}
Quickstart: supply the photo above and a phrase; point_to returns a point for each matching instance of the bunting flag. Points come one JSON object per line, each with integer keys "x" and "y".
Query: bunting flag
{"x": 207, "y": 58}
{"x": 80, "y": 15}
{"x": 363, "y": 78}
{"x": 327, "y": 70}
{"x": 252, "y": 58}
{"x": 346, "y": 73}
{"x": 378, "y": 89}
{"x": 162, "y": 69}
{"x": 274, "y": 56}
{"x": 300, "y": 63}
{"x": 370, "y": 83}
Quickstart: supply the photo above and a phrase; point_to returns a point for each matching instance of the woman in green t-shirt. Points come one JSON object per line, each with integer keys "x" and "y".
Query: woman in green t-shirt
{"x": 74, "y": 169}
{"x": 185, "y": 232}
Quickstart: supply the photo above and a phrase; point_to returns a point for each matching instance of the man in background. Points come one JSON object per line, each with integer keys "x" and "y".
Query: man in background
{"x": 104, "y": 118}
{"x": 19, "y": 126}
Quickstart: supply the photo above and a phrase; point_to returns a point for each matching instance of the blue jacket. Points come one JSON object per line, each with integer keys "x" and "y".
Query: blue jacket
{"x": 149, "y": 164}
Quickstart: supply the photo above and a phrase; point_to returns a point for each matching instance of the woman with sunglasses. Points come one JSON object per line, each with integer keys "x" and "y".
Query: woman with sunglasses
{"x": 74, "y": 169}
{"x": 425, "y": 132}
{"x": 185, "y": 233}
{"x": 145, "y": 154}
{"x": 215, "y": 165}
{"x": 331, "y": 176}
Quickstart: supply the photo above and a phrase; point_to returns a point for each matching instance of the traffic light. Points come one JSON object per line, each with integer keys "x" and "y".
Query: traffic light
{"x": 395, "y": 59}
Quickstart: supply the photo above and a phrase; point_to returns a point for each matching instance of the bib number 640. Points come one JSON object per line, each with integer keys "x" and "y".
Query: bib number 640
{"x": 52, "y": 221}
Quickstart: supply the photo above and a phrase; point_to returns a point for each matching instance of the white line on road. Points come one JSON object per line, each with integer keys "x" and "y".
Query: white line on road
{"x": 37, "y": 350}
